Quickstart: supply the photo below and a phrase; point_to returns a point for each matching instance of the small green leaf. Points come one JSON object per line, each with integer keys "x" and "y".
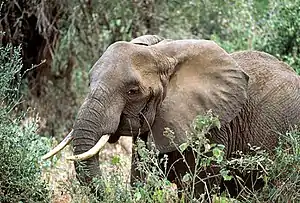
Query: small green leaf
{"x": 167, "y": 183}
{"x": 183, "y": 147}
{"x": 216, "y": 152}
{"x": 137, "y": 196}
{"x": 225, "y": 174}
{"x": 187, "y": 177}
{"x": 227, "y": 177}
{"x": 118, "y": 22}
{"x": 220, "y": 146}
{"x": 217, "y": 123}
{"x": 115, "y": 160}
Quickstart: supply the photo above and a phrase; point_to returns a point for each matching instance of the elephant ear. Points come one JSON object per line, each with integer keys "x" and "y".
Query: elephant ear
{"x": 201, "y": 77}
{"x": 147, "y": 40}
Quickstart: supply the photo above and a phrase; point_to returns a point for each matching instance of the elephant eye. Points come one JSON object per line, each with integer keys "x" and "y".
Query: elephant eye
{"x": 133, "y": 91}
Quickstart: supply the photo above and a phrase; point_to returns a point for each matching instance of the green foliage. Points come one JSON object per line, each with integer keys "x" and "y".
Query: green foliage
{"x": 21, "y": 147}
{"x": 111, "y": 186}
{"x": 190, "y": 19}
{"x": 271, "y": 26}
{"x": 156, "y": 187}
{"x": 238, "y": 30}
{"x": 283, "y": 179}
{"x": 10, "y": 65}
{"x": 280, "y": 171}
{"x": 280, "y": 35}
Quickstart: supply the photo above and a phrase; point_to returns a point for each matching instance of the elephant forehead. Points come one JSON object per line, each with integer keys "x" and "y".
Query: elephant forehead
{"x": 124, "y": 60}
{"x": 125, "y": 50}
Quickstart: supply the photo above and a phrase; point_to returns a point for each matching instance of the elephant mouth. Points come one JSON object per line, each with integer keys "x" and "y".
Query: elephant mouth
{"x": 131, "y": 126}
{"x": 128, "y": 132}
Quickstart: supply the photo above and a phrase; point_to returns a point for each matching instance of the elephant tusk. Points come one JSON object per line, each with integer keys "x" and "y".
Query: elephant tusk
{"x": 60, "y": 146}
{"x": 92, "y": 152}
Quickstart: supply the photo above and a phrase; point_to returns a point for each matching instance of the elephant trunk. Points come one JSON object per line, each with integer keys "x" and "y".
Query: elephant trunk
{"x": 87, "y": 169}
{"x": 95, "y": 118}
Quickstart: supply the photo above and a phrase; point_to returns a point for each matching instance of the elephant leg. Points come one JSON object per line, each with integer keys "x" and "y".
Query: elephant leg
{"x": 180, "y": 164}
{"x": 136, "y": 175}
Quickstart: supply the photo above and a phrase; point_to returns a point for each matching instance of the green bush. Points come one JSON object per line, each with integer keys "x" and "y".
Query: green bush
{"x": 21, "y": 147}
{"x": 280, "y": 32}
{"x": 271, "y": 26}
{"x": 283, "y": 178}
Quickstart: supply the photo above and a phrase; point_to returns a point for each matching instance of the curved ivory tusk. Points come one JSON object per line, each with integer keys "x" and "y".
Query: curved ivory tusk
{"x": 60, "y": 146}
{"x": 92, "y": 152}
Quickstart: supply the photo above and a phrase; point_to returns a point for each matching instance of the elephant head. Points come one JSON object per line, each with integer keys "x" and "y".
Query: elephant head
{"x": 148, "y": 84}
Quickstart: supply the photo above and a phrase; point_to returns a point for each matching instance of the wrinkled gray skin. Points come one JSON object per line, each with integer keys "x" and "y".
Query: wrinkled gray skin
{"x": 155, "y": 83}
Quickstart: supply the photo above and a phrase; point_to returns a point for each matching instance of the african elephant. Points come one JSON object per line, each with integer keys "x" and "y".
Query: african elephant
{"x": 151, "y": 83}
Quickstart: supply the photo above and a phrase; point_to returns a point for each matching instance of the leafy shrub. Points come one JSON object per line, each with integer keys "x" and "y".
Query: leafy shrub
{"x": 280, "y": 171}
{"x": 111, "y": 186}
{"x": 280, "y": 32}
{"x": 283, "y": 172}
{"x": 21, "y": 147}
{"x": 271, "y": 26}
{"x": 156, "y": 188}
